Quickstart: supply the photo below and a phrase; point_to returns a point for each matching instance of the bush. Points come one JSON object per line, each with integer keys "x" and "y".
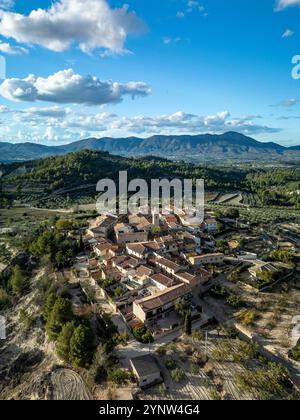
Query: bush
{"x": 26, "y": 319}
{"x": 295, "y": 354}
{"x": 198, "y": 335}
{"x": 4, "y": 299}
{"x": 161, "y": 350}
{"x": 119, "y": 376}
{"x": 171, "y": 364}
{"x": 234, "y": 301}
{"x": 177, "y": 375}
{"x": 143, "y": 335}
{"x": 248, "y": 317}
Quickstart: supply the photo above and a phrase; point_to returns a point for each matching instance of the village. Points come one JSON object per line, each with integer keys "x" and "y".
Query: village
{"x": 155, "y": 275}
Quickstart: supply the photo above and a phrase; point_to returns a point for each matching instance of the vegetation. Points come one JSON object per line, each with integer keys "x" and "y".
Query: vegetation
{"x": 268, "y": 383}
{"x": 262, "y": 187}
{"x": 18, "y": 282}
{"x": 234, "y": 301}
{"x": 177, "y": 375}
{"x": 295, "y": 353}
{"x": 63, "y": 341}
{"x": 181, "y": 307}
{"x": 143, "y": 335}
{"x": 60, "y": 314}
{"x": 188, "y": 323}
{"x": 81, "y": 346}
{"x": 59, "y": 247}
{"x": 283, "y": 256}
{"x": 248, "y": 317}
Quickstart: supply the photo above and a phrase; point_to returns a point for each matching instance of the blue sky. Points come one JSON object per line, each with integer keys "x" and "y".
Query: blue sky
{"x": 82, "y": 68}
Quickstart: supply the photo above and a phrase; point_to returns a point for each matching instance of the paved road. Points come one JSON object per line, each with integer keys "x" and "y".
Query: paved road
{"x": 135, "y": 349}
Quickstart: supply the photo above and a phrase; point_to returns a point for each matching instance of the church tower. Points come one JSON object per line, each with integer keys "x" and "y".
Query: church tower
{"x": 155, "y": 218}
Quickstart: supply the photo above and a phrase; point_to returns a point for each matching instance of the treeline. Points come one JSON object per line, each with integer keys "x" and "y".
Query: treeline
{"x": 273, "y": 187}
{"x": 276, "y": 187}
{"x": 54, "y": 246}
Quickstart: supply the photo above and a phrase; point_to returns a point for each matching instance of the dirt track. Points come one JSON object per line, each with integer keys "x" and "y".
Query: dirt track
{"x": 68, "y": 385}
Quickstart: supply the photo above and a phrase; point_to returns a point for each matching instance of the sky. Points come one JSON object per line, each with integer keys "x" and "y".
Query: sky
{"x": 96, "y": 68}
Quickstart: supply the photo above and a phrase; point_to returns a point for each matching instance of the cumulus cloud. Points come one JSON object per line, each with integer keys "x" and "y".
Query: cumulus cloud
{"x": 61, "y": 125}
{"x": 283, "y": 4}
{"x": 67, "y": 87}
{"x": 7, "y": 48}
{"x": 90, "y": 24}
{"x": 181, "y": 122}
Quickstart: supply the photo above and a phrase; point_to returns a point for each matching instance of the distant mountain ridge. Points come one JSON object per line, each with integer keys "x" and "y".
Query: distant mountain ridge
{"x": 231, "y": 145}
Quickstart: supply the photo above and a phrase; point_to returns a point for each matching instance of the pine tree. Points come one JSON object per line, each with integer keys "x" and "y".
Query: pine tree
{"x": 188, "y": 324}
{"x": 63, "y": 341}
{"x": 60, "y": 315}
{"x": 17, "y": 282}
{"x": 81, "y": 346}
{"x": 48, "y": 306}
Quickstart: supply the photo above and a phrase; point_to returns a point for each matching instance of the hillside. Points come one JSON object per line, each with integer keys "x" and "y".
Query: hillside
{"x": 229, "y": 146}
{"x": 72, "y": 178}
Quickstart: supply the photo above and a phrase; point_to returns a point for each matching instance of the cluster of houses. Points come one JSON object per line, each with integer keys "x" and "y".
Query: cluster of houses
{"x": 147, "y": 264}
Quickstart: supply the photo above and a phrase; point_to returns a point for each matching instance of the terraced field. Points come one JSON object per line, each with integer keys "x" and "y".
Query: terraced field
{"x": 201, "y": 385}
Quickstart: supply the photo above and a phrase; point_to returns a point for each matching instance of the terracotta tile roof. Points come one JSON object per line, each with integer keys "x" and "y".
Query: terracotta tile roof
{"x": 138, "y": 248}
{"x": 164, "y": 280}
{"x": 143, "y": 271}
{"x": 163, "y": 298}
{"x": 167, "y": 263}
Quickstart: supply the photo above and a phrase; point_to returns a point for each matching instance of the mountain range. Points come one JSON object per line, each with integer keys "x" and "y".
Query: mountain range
{"x": 228, "y": 146}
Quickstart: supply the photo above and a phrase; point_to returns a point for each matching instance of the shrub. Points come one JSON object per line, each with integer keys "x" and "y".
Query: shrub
{"x": 171, "y": 364}
{"x": 248, "y": 317}
{"x": 119, "y": 376}
{"x": 295, "y": 353}
{"x": 143, "y": 335}
{"x": 177, "y": 375}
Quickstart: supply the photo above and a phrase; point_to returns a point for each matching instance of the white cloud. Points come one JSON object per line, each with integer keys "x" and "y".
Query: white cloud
{"x": 52, "y": 112}
{"x": 288, "y": 33}
{"x": 67, "y": 87}
{"x": 6, "y": 4}
{"x": 192, "y": 6}
{"x": 91, "y": 24}
{"x": 4, "y": 109}
{"x": 50, "y": 135}
{"x": 180, "y": 15}
{"x": 283, "y": 4}
{"x": 7, "y": 48}
{"x": 168, "y": 40}
{"x": 61, "y": 125}
{"x": 287, "y": 103}
{"x": 181, "y": 122}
